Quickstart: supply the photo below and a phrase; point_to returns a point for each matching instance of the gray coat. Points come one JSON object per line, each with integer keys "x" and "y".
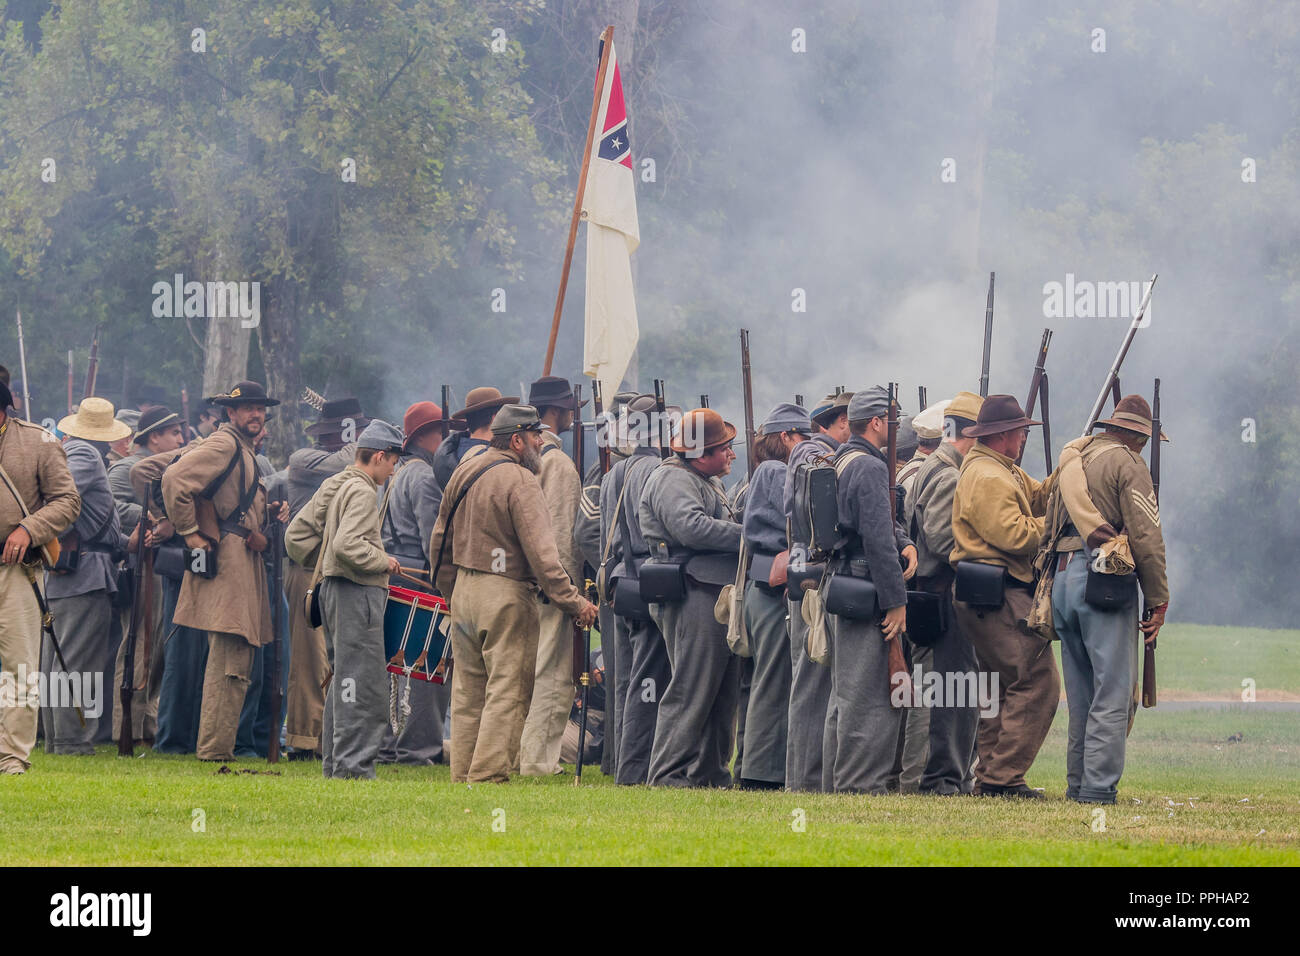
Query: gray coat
{"x": 119, "y": 483}
{"x": 683, "y": 512}
{"x": 929, "y": 502}
{"x": 626, "y": 478}
{"x": 868, "y": 529}
{"x": 764, "y": 511}
{"x": 414, "y": 497}
{"x": 97, "y": 526}
{"x": 308, "y": 469}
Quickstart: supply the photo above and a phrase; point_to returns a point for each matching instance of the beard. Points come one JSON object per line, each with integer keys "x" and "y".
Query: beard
{"x": 531, "y": 459}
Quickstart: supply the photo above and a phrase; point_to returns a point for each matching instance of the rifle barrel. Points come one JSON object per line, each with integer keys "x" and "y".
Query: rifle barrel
{"x": 988, "y": 341}
{"x": 1113, "y": 374}
{"x": 749, "y": 399}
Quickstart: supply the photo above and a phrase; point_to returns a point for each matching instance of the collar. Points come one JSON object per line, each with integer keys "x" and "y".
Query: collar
{"x": 552, "y": 439}
{"x": 826, "y": 440}
{"x": 949, "y": 453}
{"x": 244, "y": 440}
{"x": 645, "y": 450}
{"x": 858, "y": 443}
{"x": 422, "y": 454}
{"x": 355, "y": 471}
{"x": 979, "y": 448}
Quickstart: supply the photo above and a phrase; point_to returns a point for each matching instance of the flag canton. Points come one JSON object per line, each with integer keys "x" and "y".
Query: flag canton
{"x": 614, "y": 146}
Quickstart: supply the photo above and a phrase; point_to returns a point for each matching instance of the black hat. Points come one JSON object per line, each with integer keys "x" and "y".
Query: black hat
{"x": 6, "y": 397}
{"x": 152, "y": 420}
{"x": 245, "y": 393}
{"x": 552, "y": 390}
{"x": 334, "y": 413}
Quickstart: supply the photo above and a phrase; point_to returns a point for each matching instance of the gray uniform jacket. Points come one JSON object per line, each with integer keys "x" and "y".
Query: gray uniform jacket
{"x": 928, "y": 508}
{"x": 414, "y": 497}
{"x": 764, "y": 510}
{"x": 119, "y": 483}
{"x": 309, "y": 467}
{"x": 683, "y": 512}
{"x": 587, "y": 533}
{"x": 868, "y": 529}
{"x": 97, "y": 526}
{"x": 626, "y": 478}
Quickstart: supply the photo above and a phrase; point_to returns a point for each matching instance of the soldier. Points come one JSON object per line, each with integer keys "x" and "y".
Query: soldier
{"x": 342, "y": 419}
{"x": 927, "y": 431}
{"x": 941, "y": 740}
{"x": 862, "y": 725}
{"x": 474, "y": 430}
{"x": 810, "y": 683}
{"x": 539, "y": 753}
{"x": 207, "y": 419}
{"x": 1103, "y": 491}
{"x": 38, "y": 502}
{"x": 157, "y": 431}
{"x": 340, "y": 528}
{"x": 121, "y": 447}
{"x": 407, "y": 519}
{"x": 641, "y": 647}
{"x": 685, "y": 520}
{"x": 489, "y": 556}
{"x": 767, "y": 715}
{"x": 217, "y": 484}
{"x": 997, "y": 519}
{"x": 81, "y": 586}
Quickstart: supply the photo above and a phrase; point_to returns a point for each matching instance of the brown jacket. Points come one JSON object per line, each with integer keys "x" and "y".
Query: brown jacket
{"x": 1119, "y": 485}
{"x": 501, "y": 527}
{"x": 997, "y": 513}
{"x": 562, "y": 488}
{"x": 38, "y": 467}
{"x": 235, "y": 601}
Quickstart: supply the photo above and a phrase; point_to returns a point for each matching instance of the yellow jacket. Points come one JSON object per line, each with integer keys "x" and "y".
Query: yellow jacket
{"x": 997, "y": 512}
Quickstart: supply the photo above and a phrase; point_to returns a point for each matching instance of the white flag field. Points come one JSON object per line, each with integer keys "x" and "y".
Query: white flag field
{"x": 609, "y": 207}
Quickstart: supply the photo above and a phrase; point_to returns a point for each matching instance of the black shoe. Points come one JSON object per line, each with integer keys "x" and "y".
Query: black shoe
{"x": 1024, "y": 791}
{"x": 304, "y": 755}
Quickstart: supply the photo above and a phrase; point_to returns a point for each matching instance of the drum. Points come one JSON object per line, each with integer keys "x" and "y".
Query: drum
{"x": 417, "y": 635}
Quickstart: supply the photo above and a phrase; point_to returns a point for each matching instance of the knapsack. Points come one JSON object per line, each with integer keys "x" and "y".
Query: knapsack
{"x": 815, "y": 521}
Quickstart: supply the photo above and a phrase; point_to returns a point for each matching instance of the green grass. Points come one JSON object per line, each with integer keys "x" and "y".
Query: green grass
{"x": 1188, "y": 797}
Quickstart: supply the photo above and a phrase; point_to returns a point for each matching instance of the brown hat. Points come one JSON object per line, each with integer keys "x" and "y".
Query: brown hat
{"x": 1132, "y": 414}
{"x": 420, "y": 416}
{"x": 964, "y": 405}
{"x": 701, "y": 430}
{"x": 483, "y": 398}
{"x": 998, "y": 414}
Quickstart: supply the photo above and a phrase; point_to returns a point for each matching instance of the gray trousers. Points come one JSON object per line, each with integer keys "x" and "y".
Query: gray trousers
{"x": 608, "y": 624}
{"x": 1099, "y": 657}
{"x": 866, "y": 735}
{"x": 951, "y": 738}
{"x": 694, "y": 735}
{"x": 648, "y": 676}
{"x": 82, "y": 624}
{"x": 356, "y": 702}
{"x": 768, "y": 714}
{"x": 744, "y": 678}
{"x": 810, "y": 691}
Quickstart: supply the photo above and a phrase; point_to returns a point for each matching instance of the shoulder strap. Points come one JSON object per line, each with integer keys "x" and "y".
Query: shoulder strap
{"x": 842, "y": 463}
{"x": 915, "y": 528}
{"x": 13, "y": 490}
{"x": 383, "y": 505}
{"x": 620, "y": 516}
{"x": 446, "y": 529}
{"x": 238, "y": 459}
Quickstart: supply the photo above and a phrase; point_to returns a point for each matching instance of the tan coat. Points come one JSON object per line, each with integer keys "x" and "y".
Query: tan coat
{"x": 235, "y": 601}
{"x": 562, "y": 489}
{"x": 997, "y": 512}
{"x": 38, "y": 467}
{"x": 502, "y": 527}
{"x": 356, "y": 551}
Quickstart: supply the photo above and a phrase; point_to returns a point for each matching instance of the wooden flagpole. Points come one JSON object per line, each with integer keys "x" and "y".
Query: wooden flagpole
{"x": 607, "y": 42}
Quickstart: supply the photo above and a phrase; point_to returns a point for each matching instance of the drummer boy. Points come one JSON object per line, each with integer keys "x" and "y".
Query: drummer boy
{"x": 337, "y": 533}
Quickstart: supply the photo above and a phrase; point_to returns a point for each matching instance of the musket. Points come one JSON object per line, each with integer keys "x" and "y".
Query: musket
{"x": 126, "y": 734}
{"x": 897, "y": 662}
{"x": 598, "y": 413}
{"x": 1036, "y": 385}
{"x": 276, "y": 543}
{"x": 580, "y": 463}
{"x": 589, "y": 588}
{"x": 185, "y": 415}
{"x": 704, "y": 401}
{"x": 798, "y": 400}
{"x": 446, "y": 410}
{"x": 1112, "y": 377}
{"x": 47, "y": 625}
{"x": 920, "y": 397}
{"x": 70, "y": 385}
{"x": 1149, "y": 649}
{"x": 22, "y": 364}
{"x": 988, "y": 342}
{"x": 749, "y": 400}
{"x": 661, "y": 413}
{"x": 92, "y": 367}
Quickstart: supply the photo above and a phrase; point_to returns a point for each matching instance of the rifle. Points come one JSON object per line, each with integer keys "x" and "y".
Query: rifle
{"x": 1111, "y": 385}
{"x": 749, "y": 401}
{"x": 185, "y": 415}
{"x": 276, "y": 543}
{"x": 125, "y": 733}
{"x": 598, "y": 410}
{"x": 661, "y": 413}
{"x": 920, "y": 397}
{"x": 446, "y": 410}
{"x": 70, "y": 368}
{"x": 22, "y": 364}
{"x": 1149, "y": 649}
{"x": 988, "y": 342}
{"x": 47, "y": 625}
{"x": 584, "y": 634}
{"x": 1037, "y": 387}
{"x": 92, "y": 367}
{"x": 579, "y": 462}
{"x": 897, "y": 662}
{"x": 798, "y": 400}
{"x": 704, "y": 401}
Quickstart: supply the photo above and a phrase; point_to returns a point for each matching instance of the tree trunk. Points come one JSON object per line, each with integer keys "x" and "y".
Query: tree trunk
{"x": 225, "y": 357}
{"x": 278, "y": 337}
{"x": 974, "y": 48}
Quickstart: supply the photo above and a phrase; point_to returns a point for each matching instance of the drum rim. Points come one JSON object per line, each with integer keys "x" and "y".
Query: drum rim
{"x": 408, "y": 596}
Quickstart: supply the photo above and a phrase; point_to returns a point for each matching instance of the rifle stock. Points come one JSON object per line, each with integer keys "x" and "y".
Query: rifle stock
{"x": 584, "y": 633}
{"x": 1149, "y": 649}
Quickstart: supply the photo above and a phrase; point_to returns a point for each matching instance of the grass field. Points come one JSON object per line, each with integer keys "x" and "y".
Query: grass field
{"x": 1189, "y": 797}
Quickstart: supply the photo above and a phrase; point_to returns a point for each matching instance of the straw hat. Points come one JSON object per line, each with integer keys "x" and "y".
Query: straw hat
{"x": 94, "y": 421}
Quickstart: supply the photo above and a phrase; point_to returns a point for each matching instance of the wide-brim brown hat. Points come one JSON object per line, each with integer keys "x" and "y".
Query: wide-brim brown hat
{"x": 245, "y": 393}
{"x": 94, "y": 421}
{"x": 552, "y": 390}
{"x": 998, "y": 414}
{"x": 1132, "y": 414}
{"x": 701, "y": 430}
{"x": 422, "y": 416}
{"x": 483, "y": 398}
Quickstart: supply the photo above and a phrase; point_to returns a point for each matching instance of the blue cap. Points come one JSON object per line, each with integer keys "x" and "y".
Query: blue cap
{"x": 786, "y": 417}
{"x": 381, "y": 436}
